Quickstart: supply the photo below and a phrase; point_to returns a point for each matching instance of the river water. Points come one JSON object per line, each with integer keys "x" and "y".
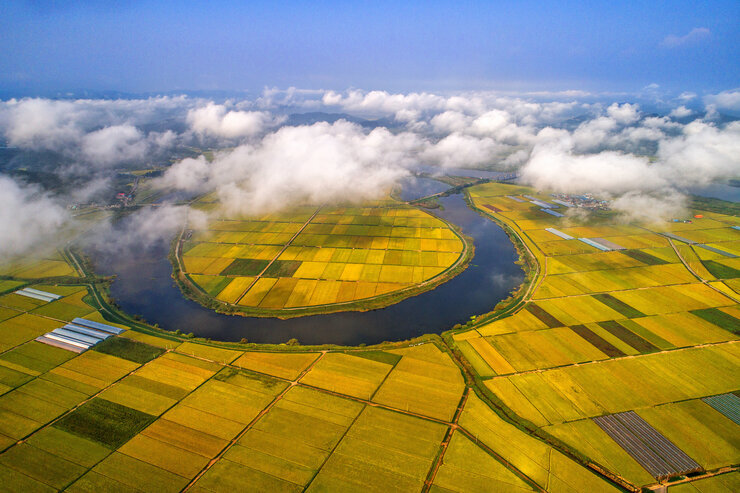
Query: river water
{"x": 144, "y": 286}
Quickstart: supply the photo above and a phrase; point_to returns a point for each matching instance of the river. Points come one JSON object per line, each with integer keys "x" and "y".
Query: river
{"x": 144, "y": 286}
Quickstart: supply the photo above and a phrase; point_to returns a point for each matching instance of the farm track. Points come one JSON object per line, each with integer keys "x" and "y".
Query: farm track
{"x": 704, "y": 281}
{"x": 249, "y": 426}
{"x": 285, "y": 247}
{"x": 451, "y": 425}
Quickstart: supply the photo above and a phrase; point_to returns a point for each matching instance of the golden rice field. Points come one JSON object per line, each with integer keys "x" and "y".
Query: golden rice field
{"x": 651, "y": 328}
{"x": 143, "y": 412}
{"x": 312, "y": 257}
{"x": 508, "y": 406}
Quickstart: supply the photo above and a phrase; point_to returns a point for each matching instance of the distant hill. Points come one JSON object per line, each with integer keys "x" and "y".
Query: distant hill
{"x": 318, "y": 116}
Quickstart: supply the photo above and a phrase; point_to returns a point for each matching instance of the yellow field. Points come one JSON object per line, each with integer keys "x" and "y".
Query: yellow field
{"x": 312, "y": 257}
{"x": 611, "y": 331}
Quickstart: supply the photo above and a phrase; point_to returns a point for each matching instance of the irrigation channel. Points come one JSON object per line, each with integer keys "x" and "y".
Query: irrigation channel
{"x": 144, "y": 286}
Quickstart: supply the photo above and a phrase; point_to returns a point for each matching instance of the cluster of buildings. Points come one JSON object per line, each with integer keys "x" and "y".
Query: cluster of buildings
{"x": 585, "y": 201}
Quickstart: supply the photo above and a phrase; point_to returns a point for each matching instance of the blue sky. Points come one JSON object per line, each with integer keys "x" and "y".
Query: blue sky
{"x": 401, "y": 46}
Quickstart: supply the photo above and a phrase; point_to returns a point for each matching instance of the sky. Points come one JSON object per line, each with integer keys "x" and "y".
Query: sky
{"x": 144, "y": 47}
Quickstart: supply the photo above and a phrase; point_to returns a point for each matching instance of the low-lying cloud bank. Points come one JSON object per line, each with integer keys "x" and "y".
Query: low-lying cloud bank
{"x": 28, "y": 216}
{"x": 569, "y": 142}
{"x": 315, "y": 164}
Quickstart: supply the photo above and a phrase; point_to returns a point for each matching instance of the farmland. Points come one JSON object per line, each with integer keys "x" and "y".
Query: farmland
{"x": 601, "y": 345}
{"x": 320, "y": 259}
{"x": 646, "y": 327}
{"x": 143, "y": 412}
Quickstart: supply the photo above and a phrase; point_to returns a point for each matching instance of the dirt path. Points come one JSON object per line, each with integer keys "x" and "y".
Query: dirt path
{"x": 704, "y": 281}
{"x": 445, "y": 442}
{"x": 249, "y": 426}
{"x": 257, "y": 278}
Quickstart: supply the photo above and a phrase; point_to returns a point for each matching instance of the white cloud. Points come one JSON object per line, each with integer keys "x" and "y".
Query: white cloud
{"x": 680, "y": 112}
{"x": 555, "y": 166}
{"x": 624, "y": 114}
{"x": 27, "y": 217}
{"x": 218, "y": 121}
{"x": 728, "y": 100}
{"x": 114, "y": 144}
{"x": 657, "y": 206}
{"x": 695, "y": 35}
{"x": 98, "y": 132}
{"x": 703, "y": 153}
{"x": 315, "y": 164}
{"x": 464, "y": 151}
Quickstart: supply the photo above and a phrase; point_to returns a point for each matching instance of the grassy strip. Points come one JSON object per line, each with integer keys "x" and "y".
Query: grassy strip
{"x": 244, "y": 267}
{"x": 597, "y": 341}
{"x": 643, "y": 257}
{"x": 105, "y": 422}
{"x": 135, "y": 351}
{"x": 543, "y": 315}
{"x": 380, "y": 356}
{"x": 721, "y": 271}
{"x": 719, "y": 318}
{"x": 628, "y": 337}
{"x": 282, "y": 268}
{"x": 618, "y": 305}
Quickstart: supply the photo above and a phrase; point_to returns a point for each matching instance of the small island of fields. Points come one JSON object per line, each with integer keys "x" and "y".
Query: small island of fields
{"x": 317, "y": 259}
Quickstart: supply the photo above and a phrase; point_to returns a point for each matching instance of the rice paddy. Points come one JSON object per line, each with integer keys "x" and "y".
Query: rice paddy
{"x": 641, "y": 340}
{"x": 309, "y": 257}
{"x": 615, "y": 332}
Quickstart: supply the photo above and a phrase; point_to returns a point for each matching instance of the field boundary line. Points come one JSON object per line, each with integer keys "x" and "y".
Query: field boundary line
{"x": 333, "y": 449}
{"x": 429, "y": 481}
{"x": 640, "y": 355}
{"x": 704, "y": 281}
{"x": 51, "y": 423}
{"x": 499, "y": 458}
{"x": 72, "y": 409}
{"x": 285, "y": 247}
{"x": 249, "y": 425}
{"x": 157, "y": 418}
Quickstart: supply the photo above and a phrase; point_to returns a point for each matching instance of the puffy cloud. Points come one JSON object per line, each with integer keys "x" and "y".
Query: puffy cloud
{"x": 464, "y": 151}
{"x": 654, "y": 207}
{"x": 114, "y": 144}
{"x": 727, "y": 100}
{"x": 680, "y": 112}
{"x": 700, "y": 154}
{"x": 624, "y": 114}
{"x": 563, "y": 144}
{"x": 376, "y": 103}
{"x": 703, "y": 153}
{"x": 27, "y": 217}
{"x": 216, "y": 120}
{"x": 450, "y": 121}
{"x": 695, "y": 35}
{"x": 153, "y": 224}
{"x": 555, "y": 166}
{"x": 99, "y": 132}
{"x": 317, "y": 163}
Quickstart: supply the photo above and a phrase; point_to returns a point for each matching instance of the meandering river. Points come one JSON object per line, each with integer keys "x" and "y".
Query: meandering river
{"x": 144, "y": 286}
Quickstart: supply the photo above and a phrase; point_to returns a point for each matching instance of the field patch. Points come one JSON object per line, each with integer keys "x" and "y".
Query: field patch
{"x": 105, "y": 422}
{"x": 345, "y": 374}
{"x": 283, "y": 365}
{"x": 135, "y": 351}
